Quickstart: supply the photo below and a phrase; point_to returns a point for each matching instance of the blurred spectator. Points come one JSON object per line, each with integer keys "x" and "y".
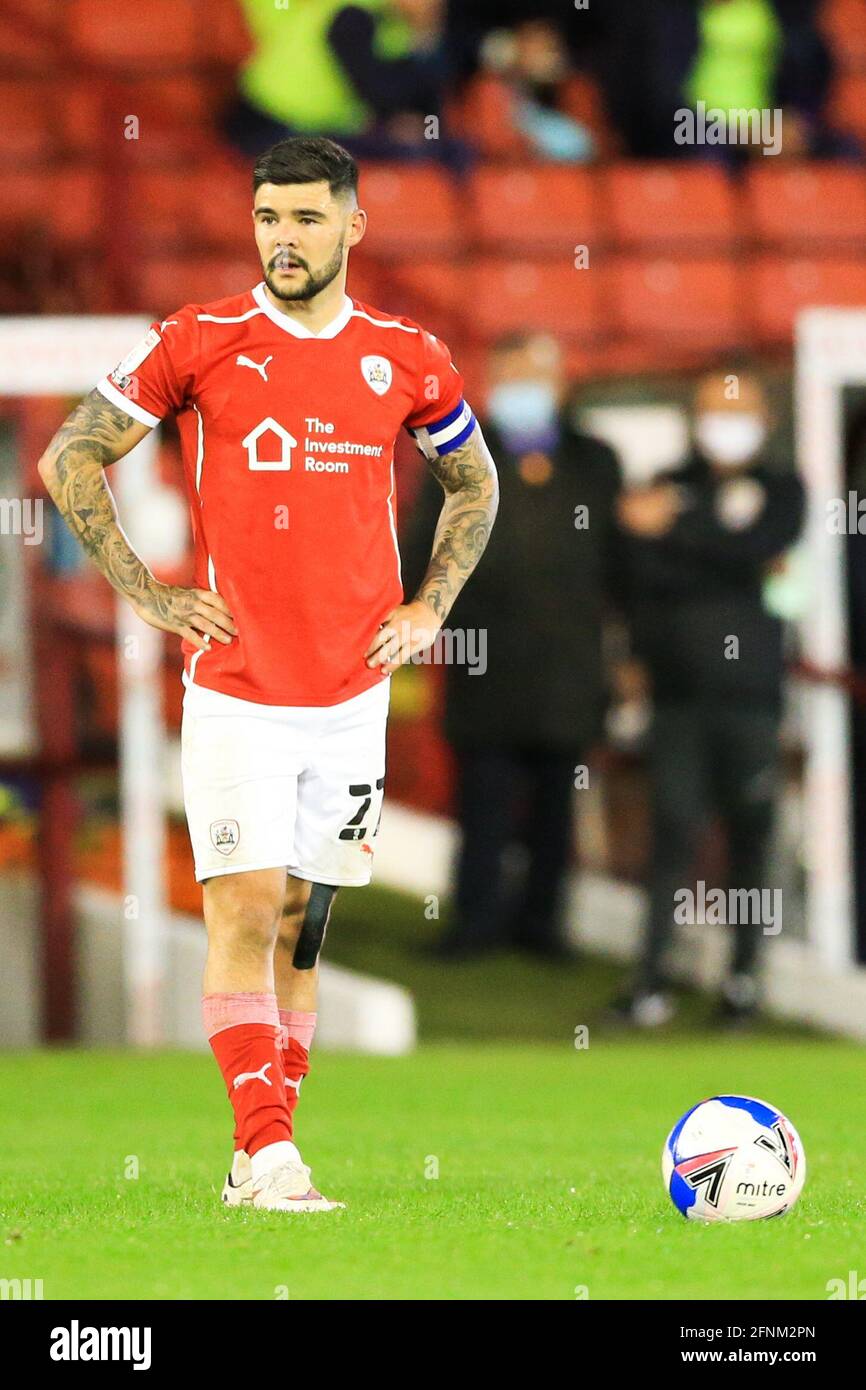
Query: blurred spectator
{"x": 520, "y": 730}
{"x": 372, "y": 74}
{"x": 664, "y": 55}
{"x": 702, "y": 541}
{"x": 533, "y": 59}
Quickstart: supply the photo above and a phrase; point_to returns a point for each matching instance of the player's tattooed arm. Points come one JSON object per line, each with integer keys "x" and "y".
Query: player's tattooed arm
{"x": 468, "y": 476}
{"x": 72, "y": 468}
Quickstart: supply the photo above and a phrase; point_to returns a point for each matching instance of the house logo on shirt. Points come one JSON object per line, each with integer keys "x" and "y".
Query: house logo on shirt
{"x": 377, "y": 373}
{"x": 269, "y": 447}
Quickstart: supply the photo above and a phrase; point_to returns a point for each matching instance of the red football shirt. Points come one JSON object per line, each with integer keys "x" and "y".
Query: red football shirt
{"x": 288, "y": 449}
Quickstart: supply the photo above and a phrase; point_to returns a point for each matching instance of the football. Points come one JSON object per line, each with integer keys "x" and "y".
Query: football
{"x": 733, "y": 1158}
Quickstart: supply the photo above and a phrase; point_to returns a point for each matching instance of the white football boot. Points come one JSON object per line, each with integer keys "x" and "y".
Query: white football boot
{"x": 238, "y": 1186}
{"x": 285, "y": 1186}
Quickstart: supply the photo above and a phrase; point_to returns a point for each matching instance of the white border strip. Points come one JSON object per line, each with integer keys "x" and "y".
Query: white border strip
{"x": 830, "y": 354}
{"x": 66, "y": 355}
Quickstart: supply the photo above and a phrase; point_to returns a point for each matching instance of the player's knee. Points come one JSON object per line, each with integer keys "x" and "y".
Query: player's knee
{"x": 313, "y": 925}
{"x": 248, "y": 916}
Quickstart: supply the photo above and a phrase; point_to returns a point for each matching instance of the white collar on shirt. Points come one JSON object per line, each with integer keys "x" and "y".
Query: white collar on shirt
{"x": 298, "y": 330}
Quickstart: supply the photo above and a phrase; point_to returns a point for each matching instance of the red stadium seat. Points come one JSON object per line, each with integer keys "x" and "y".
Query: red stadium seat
{"x": 437, "y": 287}
{"x": 413, "y": 211}
{"x": 779, "y": 288}
{"x": 46, "y": 117}
{"x": 63, "y": 203}
{"x": 692, "y": 303}
{"x": 630, "y": 357}
{"x": 182, "y": 105}
{"x": 365, "y": 281}
{"x": 163, "y": 31}
{"x": 82, "y": 116}
{"x": 534, "y": 209}
{"x": 49, "y": 118}
{"x": 28, "y": 123}
{"x": 208, "y": 207}
{"x": 810, "y": 203}
{"x": 846, "y": 108}
{"x": 165, "y": 209}
{"x": 229, "y": 39}
{"x": 32, "y": 36}
{"x": 471, "y": 361}
{"x": 486, "y": 111}
{"x": 170, "y": 33}
{"x": 159, "y": 285}
{"x": 504, "y": 296}
{"x": 431, "y": 292}
{"x": 671, "y": 204}
{"x": 843, "y": 23}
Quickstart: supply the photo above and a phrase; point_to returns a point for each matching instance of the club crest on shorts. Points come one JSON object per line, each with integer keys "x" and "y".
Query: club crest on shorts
{"x": 377, "y": 373}
{"x": 224, "y": 835}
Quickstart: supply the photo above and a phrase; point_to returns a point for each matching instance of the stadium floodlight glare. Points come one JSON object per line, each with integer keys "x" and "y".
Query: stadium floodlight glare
{"x": 64, "y": 356}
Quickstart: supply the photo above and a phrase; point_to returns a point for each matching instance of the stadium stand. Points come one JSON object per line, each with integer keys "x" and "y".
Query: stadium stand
{"x": 671, "y": 246}
{"x": 822, "y": 206}
{"x": 680, "y": 206}
{"x": 688, "y": 302}
{"x": 534, "y": 209}
{"x": 414, "y": 211}
{"x": 779, "y": 287}
{"x": 506, "y": 294}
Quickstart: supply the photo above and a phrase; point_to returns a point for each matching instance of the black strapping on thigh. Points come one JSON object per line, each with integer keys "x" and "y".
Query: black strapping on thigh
{"x": 312, "y": 934}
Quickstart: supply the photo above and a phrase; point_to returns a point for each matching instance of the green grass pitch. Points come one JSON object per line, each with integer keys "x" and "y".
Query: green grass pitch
{"x": 548, "y": 1175}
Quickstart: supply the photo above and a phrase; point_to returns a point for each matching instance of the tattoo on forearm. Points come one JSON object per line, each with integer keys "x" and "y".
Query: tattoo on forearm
{"x": 468, "y": 476}
{"x": 89, "y": 439}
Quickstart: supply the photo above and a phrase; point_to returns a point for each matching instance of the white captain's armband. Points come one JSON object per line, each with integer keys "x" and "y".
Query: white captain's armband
{"x": 441, "y": 436}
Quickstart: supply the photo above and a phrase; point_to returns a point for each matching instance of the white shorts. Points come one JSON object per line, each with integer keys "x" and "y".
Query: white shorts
{"x": 267, "y": 786}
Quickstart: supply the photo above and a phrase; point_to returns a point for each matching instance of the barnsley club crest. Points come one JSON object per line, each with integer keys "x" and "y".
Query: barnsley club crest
{"x": 225, "y": 835}
{"x": 377, "y": 373}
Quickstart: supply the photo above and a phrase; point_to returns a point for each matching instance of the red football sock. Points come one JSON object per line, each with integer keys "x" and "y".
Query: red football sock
{"x": 297, "y": 1028}
{"x": 244, "y": 1033}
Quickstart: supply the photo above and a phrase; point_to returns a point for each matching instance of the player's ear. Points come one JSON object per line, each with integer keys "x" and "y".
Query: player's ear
{"x": 357, "y": 226}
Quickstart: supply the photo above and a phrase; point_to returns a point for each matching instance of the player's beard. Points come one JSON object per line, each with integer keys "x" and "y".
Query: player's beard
{"x": 314, "y": 283}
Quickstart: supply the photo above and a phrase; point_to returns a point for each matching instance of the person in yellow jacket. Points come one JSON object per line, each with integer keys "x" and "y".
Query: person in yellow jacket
{"x": 370, "y": 73}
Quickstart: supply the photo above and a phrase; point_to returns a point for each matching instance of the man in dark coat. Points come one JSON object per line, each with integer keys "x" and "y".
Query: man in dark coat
{"x": 703, "y": 540}
{"x": 521, "y": 730}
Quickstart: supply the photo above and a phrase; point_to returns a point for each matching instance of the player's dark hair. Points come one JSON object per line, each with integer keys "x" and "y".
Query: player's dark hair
{"x": 307, "y": 159}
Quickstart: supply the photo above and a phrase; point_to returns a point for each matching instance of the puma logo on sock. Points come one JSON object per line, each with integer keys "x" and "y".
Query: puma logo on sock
{"x": 253, "y": 1076}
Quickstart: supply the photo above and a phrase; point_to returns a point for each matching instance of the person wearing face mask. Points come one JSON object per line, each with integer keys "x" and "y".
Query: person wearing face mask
{"x": 702, "y": 541}
{"x": 520, "y": 730}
